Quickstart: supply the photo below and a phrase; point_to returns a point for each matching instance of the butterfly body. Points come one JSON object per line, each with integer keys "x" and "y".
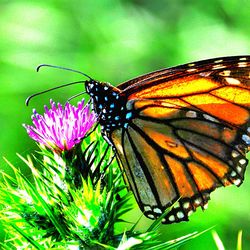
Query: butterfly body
{"x": 109, "y": 105}
{"x": 179, "y": 133}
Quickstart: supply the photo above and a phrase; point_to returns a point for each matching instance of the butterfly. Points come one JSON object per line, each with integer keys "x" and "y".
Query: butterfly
{"x": 178, "y": 133}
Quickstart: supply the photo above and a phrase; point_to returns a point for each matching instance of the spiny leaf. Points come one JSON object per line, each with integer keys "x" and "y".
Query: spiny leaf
{"x": 28, "y": 238}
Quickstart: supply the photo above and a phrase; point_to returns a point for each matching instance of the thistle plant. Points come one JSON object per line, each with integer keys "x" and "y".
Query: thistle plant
{"x": 60, "y": 129}
{"x": 76, "y": 196}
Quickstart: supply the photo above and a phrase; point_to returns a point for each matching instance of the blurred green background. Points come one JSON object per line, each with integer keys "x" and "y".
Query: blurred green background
{"x": 113, "y": 41}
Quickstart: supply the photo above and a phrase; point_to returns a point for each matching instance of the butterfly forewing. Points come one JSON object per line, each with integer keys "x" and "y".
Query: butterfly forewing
{"x": 236, "y": 67}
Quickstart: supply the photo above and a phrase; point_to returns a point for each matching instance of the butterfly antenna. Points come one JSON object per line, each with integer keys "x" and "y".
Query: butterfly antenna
{"x": 63, "y": 68}
{"x": 48, "y": 90}
{"x": 74, "y": 96}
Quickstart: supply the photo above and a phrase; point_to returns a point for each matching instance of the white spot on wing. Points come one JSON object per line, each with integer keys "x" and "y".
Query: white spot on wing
{"x": 205, "y": 74}
{"x": 239, "y": 169}
{"x": 210, "y": 118}
{"x": 235, "y": 154}
{"x": 205, "y": 206}
{"x": 147, "y": 208}
{"x": 180, "y": 215}
{"x": 191, "y": 70}
{"x": 171, "y": 218}
{"x": 232, "y": 81}
{"x": 163, "y": 220}
{"x": 233, "y": 174}
{"x": 219, "y": 66}
{"x": 242, "y": 161}
{"x": 242, "y": 64}
{"x": 246, "y": 138}
{"x": 191, "y": 114}
{"x": 197, "y": 201}
{"x": 151, "y": 216}
{"x": 186, "y": 205}
{"x": 157, "y": 210}
{"x": 237, "y": 182}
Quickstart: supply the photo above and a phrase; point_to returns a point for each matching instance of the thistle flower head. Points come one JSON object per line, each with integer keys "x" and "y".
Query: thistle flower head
{"x": 61, "y": 128}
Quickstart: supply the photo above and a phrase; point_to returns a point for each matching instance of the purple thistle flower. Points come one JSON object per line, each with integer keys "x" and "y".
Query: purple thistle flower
{"x": 61, "y": 128}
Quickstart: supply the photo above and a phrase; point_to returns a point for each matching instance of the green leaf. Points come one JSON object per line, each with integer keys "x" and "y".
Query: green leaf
{"x": 239, "y": 240}
{"x": 177, "y": 242}
{"x": 28, "y": 238}
{"x": 218, "y": 241}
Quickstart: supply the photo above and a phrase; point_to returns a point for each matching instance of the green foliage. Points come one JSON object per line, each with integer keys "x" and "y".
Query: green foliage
{"x": 113, "y": 41}
{"x": 61, "y": 208}
{"x": 219, "y": 242}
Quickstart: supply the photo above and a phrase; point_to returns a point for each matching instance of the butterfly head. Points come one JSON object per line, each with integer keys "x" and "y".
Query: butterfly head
{"x": 102, "y": 94}
{"x": 109, "y": 104}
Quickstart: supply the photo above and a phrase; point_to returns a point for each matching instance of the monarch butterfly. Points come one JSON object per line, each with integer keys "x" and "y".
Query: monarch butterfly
{"x": 178, "y": 133}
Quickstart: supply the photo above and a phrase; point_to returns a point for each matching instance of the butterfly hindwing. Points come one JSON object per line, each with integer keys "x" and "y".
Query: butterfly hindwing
{"x": 176, "y": 159}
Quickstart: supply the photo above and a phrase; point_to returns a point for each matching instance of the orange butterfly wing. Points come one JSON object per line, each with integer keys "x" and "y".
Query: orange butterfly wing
{"x": 189, "y": 135}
